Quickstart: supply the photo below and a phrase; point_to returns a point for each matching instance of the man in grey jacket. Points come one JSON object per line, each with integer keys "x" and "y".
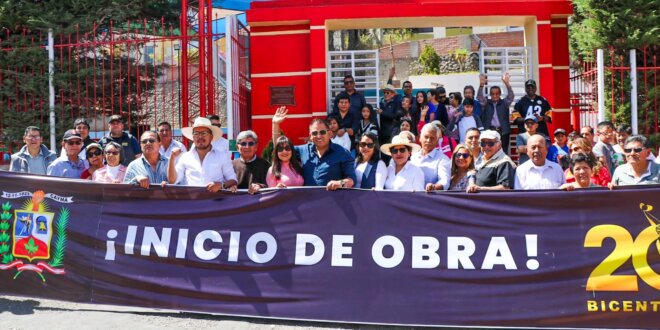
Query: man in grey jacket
{"x": 34, "y": 157}
{"x": 495, "y": 111}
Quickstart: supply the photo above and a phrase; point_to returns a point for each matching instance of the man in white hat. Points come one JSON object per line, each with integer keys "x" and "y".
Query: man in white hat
{"x": 495, "y": 170}
{"x": 387, "y": 109}
{"x": 203, "y": 166}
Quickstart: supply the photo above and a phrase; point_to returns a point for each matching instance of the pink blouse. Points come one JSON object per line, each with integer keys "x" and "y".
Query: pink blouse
{"x": 101, "y": 175}
{"x": 288, "y": 177}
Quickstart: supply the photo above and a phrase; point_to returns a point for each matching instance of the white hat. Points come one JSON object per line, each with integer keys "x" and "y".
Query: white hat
{"x": 389, "y": 87}
{"x": 490, "y": 135}
{"x": 202, "y": 122}
{"x": 399, "y": 141}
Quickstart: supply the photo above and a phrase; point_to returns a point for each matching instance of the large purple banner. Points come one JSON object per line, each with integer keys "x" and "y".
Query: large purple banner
{"x": 586, "y": 258}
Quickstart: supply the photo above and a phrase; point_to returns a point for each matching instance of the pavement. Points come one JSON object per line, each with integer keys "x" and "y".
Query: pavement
{"x": 30, "y": 313}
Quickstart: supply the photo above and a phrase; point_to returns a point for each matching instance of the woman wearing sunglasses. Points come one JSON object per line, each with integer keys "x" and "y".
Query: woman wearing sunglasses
{"x": 94, "y": 155}
{"x": 462, "y": 168}
{"x": 402, "y": 174}
{"x": 113, "y": 171}
{"x": 601, "y": 175}
{"x": 286, "y": 170}
{"x": 370, "y": 170}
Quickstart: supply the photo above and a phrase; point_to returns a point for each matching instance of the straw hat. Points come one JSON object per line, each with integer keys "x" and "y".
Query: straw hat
{"x": 389, "y": 87}
{"x": 202, "y": 122}
{"x": 399, "y": 141}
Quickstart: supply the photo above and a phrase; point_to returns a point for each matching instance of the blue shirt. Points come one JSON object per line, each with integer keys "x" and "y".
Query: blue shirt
{"x": 554, "y": 152}
{"x": 141, "y": 167}
{"x": 63, "y": 167}
{"x": 335, "y": 164}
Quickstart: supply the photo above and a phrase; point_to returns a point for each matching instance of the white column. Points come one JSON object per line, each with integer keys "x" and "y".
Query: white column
{"x": 633, "y": 90}
{"x": 229, "y": 60}
{"x": 600, "y": 62}
{"x": 51, "y": 89}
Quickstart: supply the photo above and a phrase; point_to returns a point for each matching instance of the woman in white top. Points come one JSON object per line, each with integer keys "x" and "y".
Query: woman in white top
{"x": 401, "y": 174}
{"x": 370, "y": 171}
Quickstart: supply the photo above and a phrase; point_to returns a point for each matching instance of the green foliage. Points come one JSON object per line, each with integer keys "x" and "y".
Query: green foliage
{"x": 4, "y": 248}
{"x": 60, "y": 242}
{"x": 267, "y": 153}
{"x": 30, "y": 247}
{"x": 430, "y": 60}
{"x": 7, "y": 258}
{"x": 4, "y": 226}
{"x": 6, "y": 207}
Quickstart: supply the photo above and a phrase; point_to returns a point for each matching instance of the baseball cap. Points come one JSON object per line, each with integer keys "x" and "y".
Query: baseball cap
{"x": 531, "y": 117}
{"x": 92, "y": 146}
{"x": 70, "y": 135}
{"x": 490, "y": 135}
{"x": 80, "y": 121}
{"x": 115, "y": 118}
{"x": 440, "y": 90}
{"x": 560, "y": 131}
{"x": 530, "y": 82}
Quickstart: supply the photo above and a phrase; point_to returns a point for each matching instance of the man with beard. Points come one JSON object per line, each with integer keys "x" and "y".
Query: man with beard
{"x": 204, "y": 165}
{"x": 538, "y": 172}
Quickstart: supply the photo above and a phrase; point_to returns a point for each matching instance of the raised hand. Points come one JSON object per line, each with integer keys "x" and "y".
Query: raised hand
{"x": 175, "y": 152}
{"x": 506, "y": 77}
{"x": 280, "y": 115}
{"x": 482, "y": 80}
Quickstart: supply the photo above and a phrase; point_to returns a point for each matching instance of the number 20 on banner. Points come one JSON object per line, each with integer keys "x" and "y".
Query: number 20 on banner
{"x": 602, "y": 278}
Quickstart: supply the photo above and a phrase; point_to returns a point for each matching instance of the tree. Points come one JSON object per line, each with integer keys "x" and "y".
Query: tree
{"x": 430, "y": 60}
{"x": 24, "y": 62}
{"x": 618, "y": 26}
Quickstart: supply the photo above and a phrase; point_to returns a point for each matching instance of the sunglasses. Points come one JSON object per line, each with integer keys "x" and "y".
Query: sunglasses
{"x": 490, "y": 144}
{"x": 112, "y": 153}
{"x": 247, "y": 144}
{"x": 321, "y": 132}
{"x": 629, "y": 150}
{"x": 395, "y": 151}
{"x": 366, "y": 145}
{"x": 145, "y": 141}
{"x": 202, "y": 134}
{"x": 463, "y": 155}
{"x": 74, "y": 143}
{"x": 94, "y": 153}
{"x": 283, "y": 148}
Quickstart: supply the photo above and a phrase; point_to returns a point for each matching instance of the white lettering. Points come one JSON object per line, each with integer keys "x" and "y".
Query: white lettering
{"x": 160, "y": 244}
{"x": 318, "y": 249}
{"x": 251, "y": 247}
{"x": 198, "y": 246}
{"x": 234, "y": 240}
{"x": 130, "y": 239}
{"x": 341, "y": 248}
{"x": 377, "y": 251}
{"x": 424, "y": 252}
{"x": 182, "y": 243}
{"x": 459, "y": 251}
{"x": 498, "y": 253}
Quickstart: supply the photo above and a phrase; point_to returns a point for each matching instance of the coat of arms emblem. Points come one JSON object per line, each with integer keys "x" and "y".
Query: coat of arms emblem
{"x": 33, "y": 237}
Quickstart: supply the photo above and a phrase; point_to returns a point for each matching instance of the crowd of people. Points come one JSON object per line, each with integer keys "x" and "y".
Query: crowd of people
{"x": 422, "y": 142}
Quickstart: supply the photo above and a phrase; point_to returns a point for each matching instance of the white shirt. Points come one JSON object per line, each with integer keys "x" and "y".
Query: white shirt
{"x": 530, "y": 176}
{"x": 465, "y": 124}
{"x": 381, "y": 174}
{"x": 436, "y": 167}
{"x": 344, "y": 141}
{"x": 217, "y": 167}
{"x": 222, "y": 144}
{"x": 409, "y": 178}
{"x": 174, "y": 144}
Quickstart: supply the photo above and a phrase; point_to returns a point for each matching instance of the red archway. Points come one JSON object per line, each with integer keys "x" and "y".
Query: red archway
{"x": 289, "y": 45}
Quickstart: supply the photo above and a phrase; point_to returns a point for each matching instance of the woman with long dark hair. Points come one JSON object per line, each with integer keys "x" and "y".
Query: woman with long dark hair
{"x": 370, "y": 171}
{"x": 286, "y": 170}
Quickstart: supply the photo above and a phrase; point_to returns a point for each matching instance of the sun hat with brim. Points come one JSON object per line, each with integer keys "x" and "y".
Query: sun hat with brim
{"x": 389, "y": 87}
{"x": 490, "y": 135}
{"x": 398, "y": 141}
{"x": 202, "y": 122}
